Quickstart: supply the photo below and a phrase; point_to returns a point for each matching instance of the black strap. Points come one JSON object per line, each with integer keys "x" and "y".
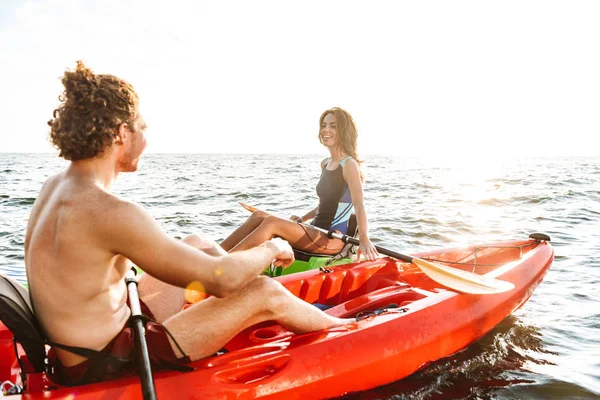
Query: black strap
{"x": 98, "y": 359}
{"x": 84, "y": 352}
{"x": 162, "y": 364}
{"x": 80, "y": 351}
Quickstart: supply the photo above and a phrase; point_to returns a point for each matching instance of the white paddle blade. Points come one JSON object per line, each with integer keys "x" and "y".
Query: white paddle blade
{"x": 462, "y": 281}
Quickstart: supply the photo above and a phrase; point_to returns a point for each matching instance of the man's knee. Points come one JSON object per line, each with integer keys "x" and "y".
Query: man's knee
{"x": 268, "y": 290}
{"x": 197, "y": 240}
{"x": 202, "y": 242}
{"x": 262, "y": 283}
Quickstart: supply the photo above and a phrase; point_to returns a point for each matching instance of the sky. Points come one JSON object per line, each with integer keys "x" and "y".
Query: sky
{"x": 438, "y": 78}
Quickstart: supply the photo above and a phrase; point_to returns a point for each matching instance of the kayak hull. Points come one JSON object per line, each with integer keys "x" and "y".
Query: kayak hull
{"x": 424, "y": 322}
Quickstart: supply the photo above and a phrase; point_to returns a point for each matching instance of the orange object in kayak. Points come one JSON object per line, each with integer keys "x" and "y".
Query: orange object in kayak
{"x": 405, "y": 320}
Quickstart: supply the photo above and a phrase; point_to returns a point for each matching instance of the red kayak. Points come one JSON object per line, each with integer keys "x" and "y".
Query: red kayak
{"x": 405, "y": 320}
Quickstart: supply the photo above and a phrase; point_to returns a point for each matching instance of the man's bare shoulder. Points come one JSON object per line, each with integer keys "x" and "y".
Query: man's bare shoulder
{"x": 51, "y": 183}
{"x": 115, "y": 204}
{"x": 117, "y": 211}
{"x": 122, "y": 226}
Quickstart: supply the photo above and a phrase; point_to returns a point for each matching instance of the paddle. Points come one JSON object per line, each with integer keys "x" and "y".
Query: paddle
{"x": 453, "y": 278}
{"x": 137, "y": 320}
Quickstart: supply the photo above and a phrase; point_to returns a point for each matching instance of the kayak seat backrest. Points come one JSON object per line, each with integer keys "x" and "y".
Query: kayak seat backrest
{"x": 17, "y": 314}
{"x": 346, "y": 251}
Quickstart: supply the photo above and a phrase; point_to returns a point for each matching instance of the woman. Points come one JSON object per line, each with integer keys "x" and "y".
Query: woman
{"x": 340, "y": 193}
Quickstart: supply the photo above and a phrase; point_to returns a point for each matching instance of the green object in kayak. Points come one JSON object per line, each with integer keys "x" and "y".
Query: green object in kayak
{"x": 315, "y": 262}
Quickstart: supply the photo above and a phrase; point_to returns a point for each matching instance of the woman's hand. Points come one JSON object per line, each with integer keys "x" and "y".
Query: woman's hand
{"x": 367, "y": 249}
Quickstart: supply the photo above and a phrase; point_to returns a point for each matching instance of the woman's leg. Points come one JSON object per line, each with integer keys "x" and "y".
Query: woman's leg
{"x": 244, "y": 230}
{"x": 298, "y": 236}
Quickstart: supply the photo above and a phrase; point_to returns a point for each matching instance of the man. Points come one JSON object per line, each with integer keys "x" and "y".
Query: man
{"x": 81, "y": 240}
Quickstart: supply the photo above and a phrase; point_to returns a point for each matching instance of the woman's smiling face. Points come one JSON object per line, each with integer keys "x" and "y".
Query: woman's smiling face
{"x": 329, "y": 130}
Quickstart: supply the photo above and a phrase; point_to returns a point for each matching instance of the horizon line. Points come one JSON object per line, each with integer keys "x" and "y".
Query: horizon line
{"x": 413, "y": 155}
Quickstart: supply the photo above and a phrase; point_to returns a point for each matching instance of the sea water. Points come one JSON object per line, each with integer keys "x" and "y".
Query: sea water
{"x": 548, "y": 349}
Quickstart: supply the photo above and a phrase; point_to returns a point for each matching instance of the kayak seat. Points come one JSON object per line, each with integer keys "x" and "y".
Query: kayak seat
{"x": 399, "y": 293}
{"x": 347, "y": 250}
{"x": 17, "y": 314}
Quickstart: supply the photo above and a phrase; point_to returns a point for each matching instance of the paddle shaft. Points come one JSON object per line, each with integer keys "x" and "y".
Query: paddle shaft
{"x": 137, "y": 320}
{"x": 453, "y": 278}
{"x": 354, "y": 241}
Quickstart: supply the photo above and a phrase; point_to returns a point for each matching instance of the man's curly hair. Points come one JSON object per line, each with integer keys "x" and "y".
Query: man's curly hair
{"x": 92, "y": 107}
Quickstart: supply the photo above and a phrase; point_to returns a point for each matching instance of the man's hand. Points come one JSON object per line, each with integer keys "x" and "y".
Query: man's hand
{"x": 284, "y": 254}
{"x": 296, "y": 218}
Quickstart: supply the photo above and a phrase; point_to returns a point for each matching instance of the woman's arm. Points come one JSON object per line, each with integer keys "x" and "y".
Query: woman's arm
{"x": 352, "y": 177}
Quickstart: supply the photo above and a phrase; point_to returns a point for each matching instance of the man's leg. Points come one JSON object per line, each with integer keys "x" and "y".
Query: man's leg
{"x": 206, "y": 327}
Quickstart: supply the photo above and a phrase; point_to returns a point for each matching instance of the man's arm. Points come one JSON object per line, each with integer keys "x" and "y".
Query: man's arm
{"x": 131, "y": 231}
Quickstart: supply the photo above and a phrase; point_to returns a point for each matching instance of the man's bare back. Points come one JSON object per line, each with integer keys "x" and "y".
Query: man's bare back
{"x": 77, "y": 283}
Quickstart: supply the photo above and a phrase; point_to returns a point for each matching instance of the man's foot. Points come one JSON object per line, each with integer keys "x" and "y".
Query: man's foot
{"x": 345, "y": 321}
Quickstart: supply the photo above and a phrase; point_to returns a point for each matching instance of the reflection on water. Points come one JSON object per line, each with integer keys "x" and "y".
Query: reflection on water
{"x": 499, "y": 365}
